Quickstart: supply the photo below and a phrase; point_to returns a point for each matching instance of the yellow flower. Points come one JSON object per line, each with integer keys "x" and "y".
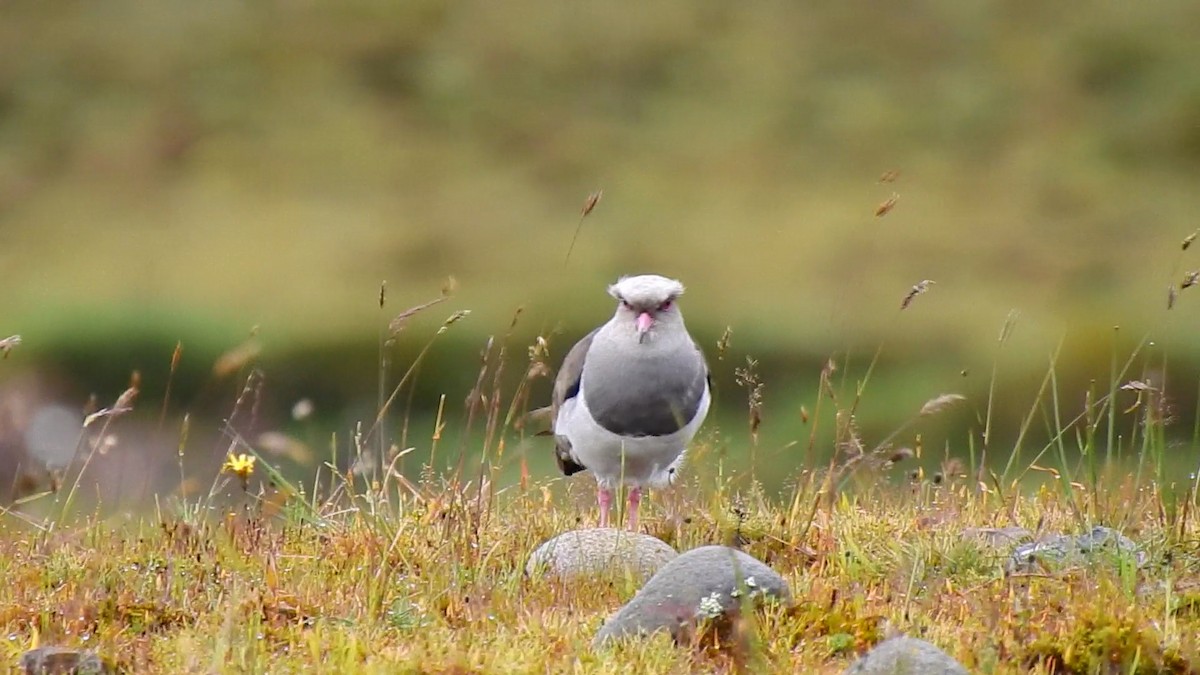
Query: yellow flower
{"x": 239, "y": 465}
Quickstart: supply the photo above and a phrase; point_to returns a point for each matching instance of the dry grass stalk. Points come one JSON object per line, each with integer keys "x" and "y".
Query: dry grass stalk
{"x": 398, "y": 322}
{"x": 1190, "y": 279}
{"x": 1010, "y": 323}
{"x": 1187, "y": 241}
{"x": 1146, "y": 394}
{"x": 248, "y": 397}
{"x": 916, "y": 290}
{"x": 850, "y": 443}
{"x": 122, "y": 405}
{"x": 827, "y": 372}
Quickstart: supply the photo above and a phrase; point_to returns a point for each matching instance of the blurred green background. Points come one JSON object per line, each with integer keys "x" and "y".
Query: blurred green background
{"x": 182, "y": 171}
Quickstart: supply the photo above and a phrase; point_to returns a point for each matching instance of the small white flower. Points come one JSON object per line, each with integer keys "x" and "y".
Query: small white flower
{"x": 710, "y": 607}
{"x": 750, "y": 585}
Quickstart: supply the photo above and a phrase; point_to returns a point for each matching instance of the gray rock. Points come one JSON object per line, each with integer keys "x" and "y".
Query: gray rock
{"x": 997, "y": 537}
{"x": 1102, "y": 544}
{"x": 592, "y": 552}
{"x": 707, "y": 583}
{"x": 51, "y": 660}
{"x": 906, "y": 656}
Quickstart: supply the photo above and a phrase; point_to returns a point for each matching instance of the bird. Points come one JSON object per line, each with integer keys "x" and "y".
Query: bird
{"x": 630, "y": 396}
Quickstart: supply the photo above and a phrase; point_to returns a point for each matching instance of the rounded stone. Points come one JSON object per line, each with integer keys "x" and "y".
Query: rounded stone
{"x": 600, "y": 551}
{"x": 53, "y": 660}
{"x": 906, "y": 656}
{"x": 1101, "y": 544}
{"x": 706, "y": 583}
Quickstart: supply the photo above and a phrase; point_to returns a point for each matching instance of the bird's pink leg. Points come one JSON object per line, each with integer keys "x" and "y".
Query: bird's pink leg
{"x": 635, "y": 499}
{"x": 604, "y": 498}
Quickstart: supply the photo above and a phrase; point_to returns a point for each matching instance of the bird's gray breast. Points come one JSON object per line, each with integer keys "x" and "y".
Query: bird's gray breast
{"x": 648, "y": 394}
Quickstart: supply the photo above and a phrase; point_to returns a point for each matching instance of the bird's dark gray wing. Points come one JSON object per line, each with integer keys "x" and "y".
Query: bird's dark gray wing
{"x": 654, "y": 398}
{"x": 566, "y": 387}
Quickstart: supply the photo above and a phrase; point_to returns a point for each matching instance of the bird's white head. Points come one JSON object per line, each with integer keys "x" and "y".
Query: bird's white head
{"x": 646, "y": 300}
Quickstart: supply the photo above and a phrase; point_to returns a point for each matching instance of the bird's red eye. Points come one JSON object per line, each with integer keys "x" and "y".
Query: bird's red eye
{"x": 665, "y": 306}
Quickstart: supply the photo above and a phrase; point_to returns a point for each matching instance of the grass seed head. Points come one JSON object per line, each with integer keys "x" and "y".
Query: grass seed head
{"x": 954, "y": 468}
{"x": 176, "y": 356}
{"x": 9, "y": 343}
{"x": 454, "y": 318}
{"x": 723, "y": 342}
{"x": 590, "y": 203}
{"x": 748, "y": 377}
{"x": 887, "y": 205}
{"x": 1187, "y": 241}
{"x": 125, "y": 400}
{"x": 916, "y": 290}
{"x": 829, "y": 369}
{"x": 937, "y": 404}
{"x": 237, "y": 358}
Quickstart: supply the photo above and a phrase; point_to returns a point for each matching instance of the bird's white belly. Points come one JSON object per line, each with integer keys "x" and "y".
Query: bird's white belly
{"x": 613, "y": 459}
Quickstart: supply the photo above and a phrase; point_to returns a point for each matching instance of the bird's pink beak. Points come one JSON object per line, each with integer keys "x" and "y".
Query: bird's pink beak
{"x": 644, "y": 322}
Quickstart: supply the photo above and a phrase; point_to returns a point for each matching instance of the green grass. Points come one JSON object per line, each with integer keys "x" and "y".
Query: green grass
{"x": 362, "y": 572}
{"x": 432, "y": 581}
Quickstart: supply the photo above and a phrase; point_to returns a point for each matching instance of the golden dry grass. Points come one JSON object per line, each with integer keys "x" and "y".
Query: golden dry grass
{"x": 430, "y": 579}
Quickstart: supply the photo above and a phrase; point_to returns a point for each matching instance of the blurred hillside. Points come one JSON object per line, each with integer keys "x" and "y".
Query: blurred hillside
{"x": 186, "y": 171}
